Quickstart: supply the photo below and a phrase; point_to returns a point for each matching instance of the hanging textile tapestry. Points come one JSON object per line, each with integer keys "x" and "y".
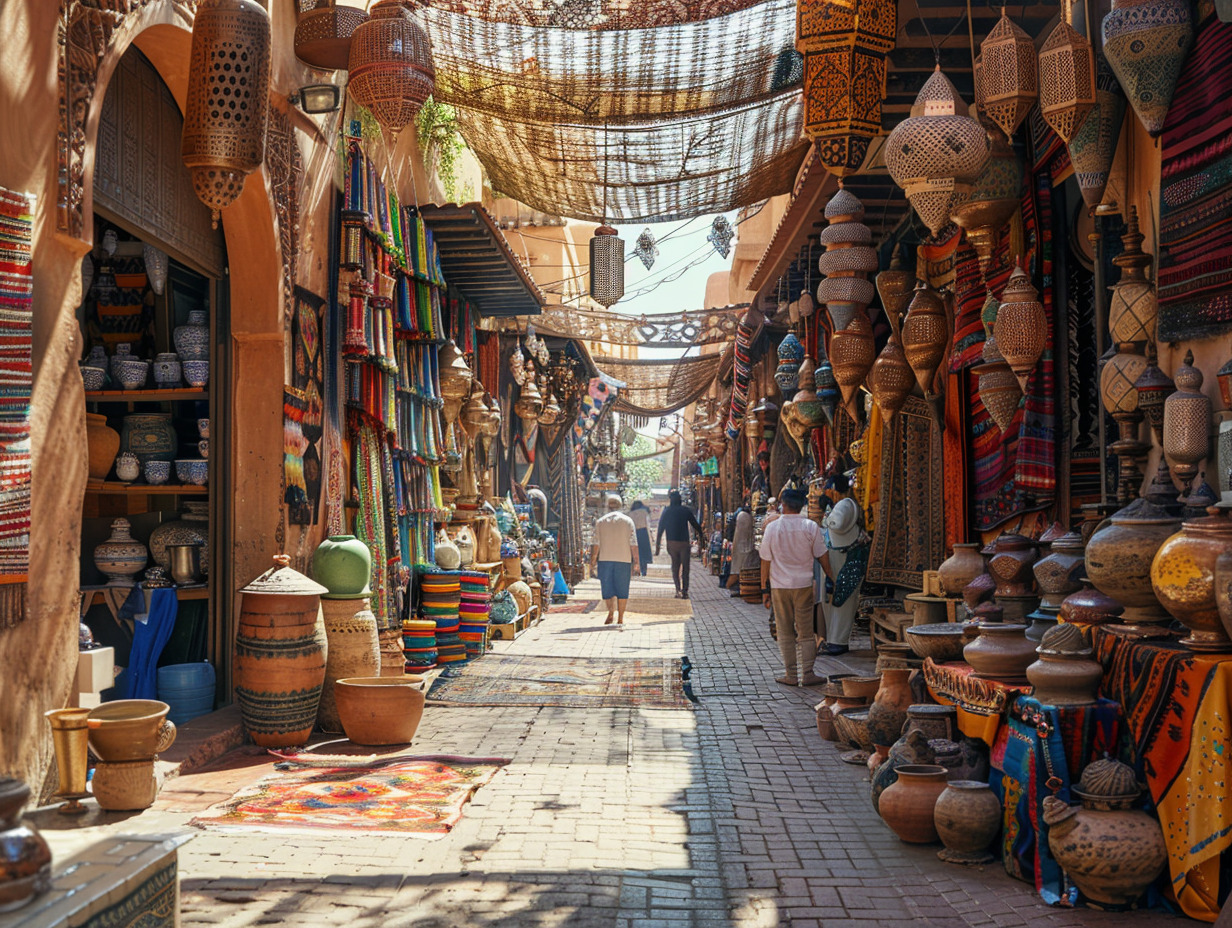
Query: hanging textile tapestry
{"x": 16, "y": 294}
{"x": 910, "y": 536}
{"x": 656, "y": 388}
{"x": 593, "y": 14}
{"x": 1195, "y": 193}
{"x": 308, "y": 376}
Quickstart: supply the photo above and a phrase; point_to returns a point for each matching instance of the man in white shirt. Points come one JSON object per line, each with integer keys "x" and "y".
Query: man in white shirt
{"x": 614, "y": 558}
{"x": 790, "y": 546}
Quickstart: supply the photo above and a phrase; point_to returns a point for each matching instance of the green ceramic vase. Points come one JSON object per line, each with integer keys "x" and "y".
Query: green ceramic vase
{"x": 342, "y": 564}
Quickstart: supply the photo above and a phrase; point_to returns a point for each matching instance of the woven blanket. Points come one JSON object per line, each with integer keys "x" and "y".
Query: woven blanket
{"x": 420, "y": 797}
{"x": 16, "y": 380}
{"x": 577, "y": 682}
{"x": 1195, "y": 193}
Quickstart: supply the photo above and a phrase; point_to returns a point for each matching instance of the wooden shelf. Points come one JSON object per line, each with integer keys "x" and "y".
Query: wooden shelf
{"x": 144, "y": 396}
{"x": 95, "y": 596}
{"x": 113, "y": 488}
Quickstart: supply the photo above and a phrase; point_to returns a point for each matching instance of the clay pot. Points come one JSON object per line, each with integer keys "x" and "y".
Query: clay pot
{"x": 1001, "y": 652}
{"x": 280, "y": 654}
{"x": 861, "y": 687}
{"x": 907, "y": 805}
{"x": 1010, "y": 565}
{"x": 960, "y": 568}
{"x": 888, "y": 712}
{"x": 343, "y": 565}
{"x": 1183, "y": 578}
{"x": 967, "y": 817}
{"x": 121, "y": 557}
{"x": 102, "y": 445}
{"x": 380, "y": 710}
{"x": 1057, "y": 575}
{"x": 1089, "y": 606}
{"x": 125, "y": 786}
{"x": 1065, "y": 679}
{"x": 25, "y": 858}
{"x": 932, "y": 720}
{"x": 130, "y": 729}
{"x": 942, "y": 641}
{"x": 353, "y": 651}
{"x": 393, "y": 660}
{"x": 912, "y": 748}
{"x": 1119, "y": 557}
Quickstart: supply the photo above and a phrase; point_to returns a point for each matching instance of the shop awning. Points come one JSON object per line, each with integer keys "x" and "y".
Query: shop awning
{"x": 477, "y": 260}
{"x": 803, "y": 219}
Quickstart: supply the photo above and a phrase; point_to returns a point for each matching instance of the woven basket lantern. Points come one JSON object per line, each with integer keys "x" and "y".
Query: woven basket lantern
{"x": 1146, "y": 43}
{"x": 1187, "y": 422}
{"x": 851, "y": 357}
{"x": 1007, "y": 75}
{"x": 993, "y": 200}
{"x": 1093, "y": 147}
{"x": 391, "y": 67}
{"x": 1021, "y": 328}
{"x": 891, "y": 379}
{"x": 228, "y": 99}
{"x": 1066, "y": 80}
{"x": 937, "y": 154}
{"x": 323, "y": 34}
{"x": 1134, "y": 306}
{"x": 894, "y": 286}
{"x": 607, "y": 266}
{"x": 926, "y": 335}
{"x": 847, "y": 261}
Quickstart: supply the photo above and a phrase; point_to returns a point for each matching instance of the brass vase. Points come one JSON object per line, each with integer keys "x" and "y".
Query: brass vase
{"x": 69, "y": 737}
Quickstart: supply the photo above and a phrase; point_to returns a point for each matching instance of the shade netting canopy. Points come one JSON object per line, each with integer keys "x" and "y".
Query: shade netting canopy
{"x": 659, "y": 387}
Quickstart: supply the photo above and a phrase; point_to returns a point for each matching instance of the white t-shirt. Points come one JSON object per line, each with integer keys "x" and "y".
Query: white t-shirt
{"x": 640, "y": 517}
{"x": 614, "y": 534}
{"x": 791, "y": 544}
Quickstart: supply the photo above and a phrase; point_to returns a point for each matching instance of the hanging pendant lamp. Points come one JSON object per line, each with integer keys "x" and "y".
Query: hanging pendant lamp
{"x": 1021, "y": 327}
{"x": 323, "y": 34}
{"x": 1007, "y": 75}
{"x": 996, "y": 384}
{"x": 1146, "y": 42}
{"x": 851, "y": 356}
{"x": 607, "y": 266}
{"x": 891, "y": 379}
{"x": 1093, "y": 147}
{"x": 894, "y": 286}
{"x": 926, "y": 335}
{"x": 223, "y": 140}
{"x": 1066, "y": 79}
{"x": 847, "y": 261}
{"x": 392, "y": 72}
{"x": 993, "y": 200}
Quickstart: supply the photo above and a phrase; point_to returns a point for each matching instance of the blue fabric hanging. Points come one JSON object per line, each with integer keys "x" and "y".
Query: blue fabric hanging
{"x": 149, "y": 639}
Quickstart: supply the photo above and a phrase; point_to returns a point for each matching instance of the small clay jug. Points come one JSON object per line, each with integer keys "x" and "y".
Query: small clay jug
{"x": 888, "y": 712}
{"x": 25, "y": 858}
{"x": 907, "y": 804}
{"x": 1001, "y": 652}
{"x": 960, "y": 568}
{"x": 967, "y": 817}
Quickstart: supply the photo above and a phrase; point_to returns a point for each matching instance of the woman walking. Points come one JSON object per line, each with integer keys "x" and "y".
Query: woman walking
{"x": 641, "y": 521}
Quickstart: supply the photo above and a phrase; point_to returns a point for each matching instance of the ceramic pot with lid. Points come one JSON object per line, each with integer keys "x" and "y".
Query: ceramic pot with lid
{"x": 1066, "y": 674}
{"x": 1001, "y": 652}
{"x": 1183, "y": 578}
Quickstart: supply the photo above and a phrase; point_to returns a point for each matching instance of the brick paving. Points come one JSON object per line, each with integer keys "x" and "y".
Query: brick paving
{"x": 732, "y": 815}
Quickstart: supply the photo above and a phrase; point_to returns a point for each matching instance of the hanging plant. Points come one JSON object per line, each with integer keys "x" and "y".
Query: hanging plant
{"x": 439, "y": 139}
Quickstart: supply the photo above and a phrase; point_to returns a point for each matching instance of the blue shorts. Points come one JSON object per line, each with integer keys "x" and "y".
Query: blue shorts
{"x": 614, "y": 579}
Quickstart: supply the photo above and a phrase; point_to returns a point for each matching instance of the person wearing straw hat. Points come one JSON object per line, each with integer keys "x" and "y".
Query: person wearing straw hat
{"x": 844, "y": 563}
{"x": 614, "y": 558}
{"x": 790, "y": 547}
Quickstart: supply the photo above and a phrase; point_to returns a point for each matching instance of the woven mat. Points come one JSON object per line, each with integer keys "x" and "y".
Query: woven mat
{"x": 574, "y": 606}
{"x": 420, "y": 797}
{"x": 576, "y": 682}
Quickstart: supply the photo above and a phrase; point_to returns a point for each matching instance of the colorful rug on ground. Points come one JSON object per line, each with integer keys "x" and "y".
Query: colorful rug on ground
{"x": 574, "y": 606}
{"x": 420, "y": 797}
{"x": 576, "y": 682}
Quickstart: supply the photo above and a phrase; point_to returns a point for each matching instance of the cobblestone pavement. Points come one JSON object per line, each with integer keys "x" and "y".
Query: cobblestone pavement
{"x": 733, "y": 815}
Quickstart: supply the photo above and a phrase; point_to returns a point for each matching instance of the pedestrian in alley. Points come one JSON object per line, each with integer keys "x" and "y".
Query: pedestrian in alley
{"x": 742, "y": 545}
{"x": 614, "y": 558}
{"x": 641, "y": 521}
{"x": 790, "y": 547}
{"x": 844, "y": 563}
{"x": 674, "y": 522}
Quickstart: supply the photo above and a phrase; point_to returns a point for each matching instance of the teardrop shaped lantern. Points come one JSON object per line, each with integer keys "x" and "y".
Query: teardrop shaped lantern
{"x": 1094, "y": 145}
{"x": 607, "y": 266}
{"x": 392, "y": 72}
{"x": 996, "y": 384}
{"x": 1187, "y": 423}
{"x": 1066, "y": 79}
{"x": 223, "y": 140}
{"x": 806, "y": 401}
{"x": 1146, "y": 43}
{"x": 926, "y": 335}
{"x": 847, "y": 261}
{"x": 851, "y": 356}
{"x": 826, "y": 386}
{"x": 993, "y": 200}
{"x": 1134, "y": 307}
{"x": 1007, "y": 76}
{"x": 891, "y": 379}
{"x": 1021, "y": 328}
{"x": 894, "y": 286}
{"x": 323, "y": 34}
{"x": 936, "y": 155}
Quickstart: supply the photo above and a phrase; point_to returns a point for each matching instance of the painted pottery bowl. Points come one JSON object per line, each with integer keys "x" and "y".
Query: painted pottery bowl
{"x": 130, "y": 729}
{"x": 130, "y": 372}
{"x": 93, "y": 378}
{"x": 942, "y": 641}
{"x": 157, "y": 472}
{"x": 196, "y": 373}
{"x": 380, "y": 710}
{"x": 192, "y": 470}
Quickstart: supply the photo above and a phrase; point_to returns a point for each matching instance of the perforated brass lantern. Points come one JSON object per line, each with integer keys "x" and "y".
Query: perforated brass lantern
{"x": 993, "y": 200}
{"x": 1007, "y": 75}
{"x": 926, "y": 335}
{"x": 1093, "y": 147}
{"x": 894, "y": 286}
{"x": 1146, "y": 42}
{"x": 851, "y": 356}
{"x": 891, "y": 380}
{"x": 1135, "y": 306}
{"x": 391, "y": 67}
{"x": 607, "y": 266}
{"x": 223, "y": 140}
{"x": 847, "y": 261}
{"x": 1066, "y": 79}
{"x": 323, "y": 34}
{"x": 1154, "y": 387}
{"x": 1021, "y": 328}
{"x": 1187, "y": 423}
{"x": 998, "y": 387}
{"x": 936, "y": 155}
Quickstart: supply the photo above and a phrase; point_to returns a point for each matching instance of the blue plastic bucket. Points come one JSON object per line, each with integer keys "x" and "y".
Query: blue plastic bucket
{"x": 188, "y": 689}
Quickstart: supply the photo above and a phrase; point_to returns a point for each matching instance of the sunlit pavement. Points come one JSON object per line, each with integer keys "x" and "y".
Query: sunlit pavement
{"x": 732, "y": 814}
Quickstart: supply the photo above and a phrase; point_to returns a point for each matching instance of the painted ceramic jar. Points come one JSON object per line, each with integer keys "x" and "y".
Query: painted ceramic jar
{"x": 123, "y": 352}
{"x": 1057, "y": 575}
{"x": 967, "y": 817}
{"x": 127, "y": 467}
{"x": 121, "y": 557}
{"x": 1010, "y": 565}
{"x": 353, "y": 651}
{"x": 960, "y": 568}
{"x": 166, "y": 369}
{"x": 888, "y": 712}
{"x": 1119, "y": 557}
{"x": 150, "y": 436}
{"x": 907, "y": 805}
{"x": 1146, "y": 43}
{"x": 25, "y": 858}
{"x": 343, "y": 565}
{"x": 1001, "y": 652}
{"x": 192, "y": 340}
{"x": 102, "y": 443}
{"x": 1183, "y": 578}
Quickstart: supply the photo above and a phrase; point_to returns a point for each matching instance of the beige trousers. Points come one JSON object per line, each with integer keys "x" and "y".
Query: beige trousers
{"x": 793, "y": 616}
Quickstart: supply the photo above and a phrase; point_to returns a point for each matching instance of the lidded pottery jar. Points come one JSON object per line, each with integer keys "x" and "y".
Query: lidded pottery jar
{"x": 1183, "y": 577}
{"x": 1001, "y": 652}
{"x": 967, "y": 817}
{"x": 960, "y": 568}
{"x": 280, "y": 655}
{"x": 1119, "y": 555}
{"x": 1111, "y": 851}
{"x": 907, "y": 805}
{"x": 1065, "y": 674}
{"x": 1010, "y": 565}
{"x": 343, "y": 564}
{"x": 25, "y": 858}
{"x": 192, "y": 340}
{"x": 121, "y": 557}
{"x": 1057, "y": 575}
{"x": 1089, "y": 606}
{"x": 888, "y": 712}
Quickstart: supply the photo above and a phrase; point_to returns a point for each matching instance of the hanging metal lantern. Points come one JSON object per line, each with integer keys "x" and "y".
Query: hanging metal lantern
{"x": 391, "y": 67}
{"x": 998, "y": 387}
{"x": 826, "y": 386}
{"x": 323, "y": 33}
{"x": 1021, "y": 328}
{"x": 936, "y": 155}
{"x": 891, "y": 379}
{"x": 894, "y": 285}
{"x": 646, "y": 250}
{"x": 223, "y": 140}
{"x": 926, "y": 335}
{"x": 1007, "y": 75}
{"x": 1187, "y": 423}
{"x": 993, "y": 200}
{"x": 1066, "y": 79}
{"x": 607, "y": 266}
{"x": 1093, "y": 147}
{"x": 808, "y": 405}
{"x": 851, "y": 356}
{"x": 847, "y": 261}
{"x": 1146, "y": 43}
{"x": 156, "y": 263}
{"x": 1134, "y": 306}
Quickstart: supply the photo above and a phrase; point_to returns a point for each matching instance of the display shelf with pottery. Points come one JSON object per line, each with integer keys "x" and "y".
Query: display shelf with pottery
{"x": 126, "y": 396}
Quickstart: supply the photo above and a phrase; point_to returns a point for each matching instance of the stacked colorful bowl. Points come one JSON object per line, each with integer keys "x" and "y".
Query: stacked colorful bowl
{"x": 440, "y": 594}
{"x": 473, "y": 612}
{"x": 419, "y": 644}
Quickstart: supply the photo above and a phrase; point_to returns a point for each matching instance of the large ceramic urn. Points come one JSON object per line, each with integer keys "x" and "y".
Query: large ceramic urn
{"x": 1066, "y": 674}
{"x": 1183, "y": 577}
{"x": 343, "y": 564}
{"x": 1059, "y": 574}
{"x": 280, "y": 656}
{"x": 102, "y": 445}
{"x": 960, "y": 568}
{"x": 1119, "y": 555}
{"x": 907, "y": 805}
{"x": 967, "y": 817}
{"x": 1001, "y": 652}
{"x": 1110, "y": 850}
{"x": 889, "y": 709}
{"x": 25, "y": 858}
{"x": 1010, "y": 565}
{"x": 353, "y": 651}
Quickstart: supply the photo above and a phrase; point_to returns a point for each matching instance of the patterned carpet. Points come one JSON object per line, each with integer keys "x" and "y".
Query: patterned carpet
{"x": 574, "y": 606}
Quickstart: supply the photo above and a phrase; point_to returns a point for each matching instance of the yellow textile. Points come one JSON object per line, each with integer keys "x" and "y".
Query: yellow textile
{"x": 868, "y": 476}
